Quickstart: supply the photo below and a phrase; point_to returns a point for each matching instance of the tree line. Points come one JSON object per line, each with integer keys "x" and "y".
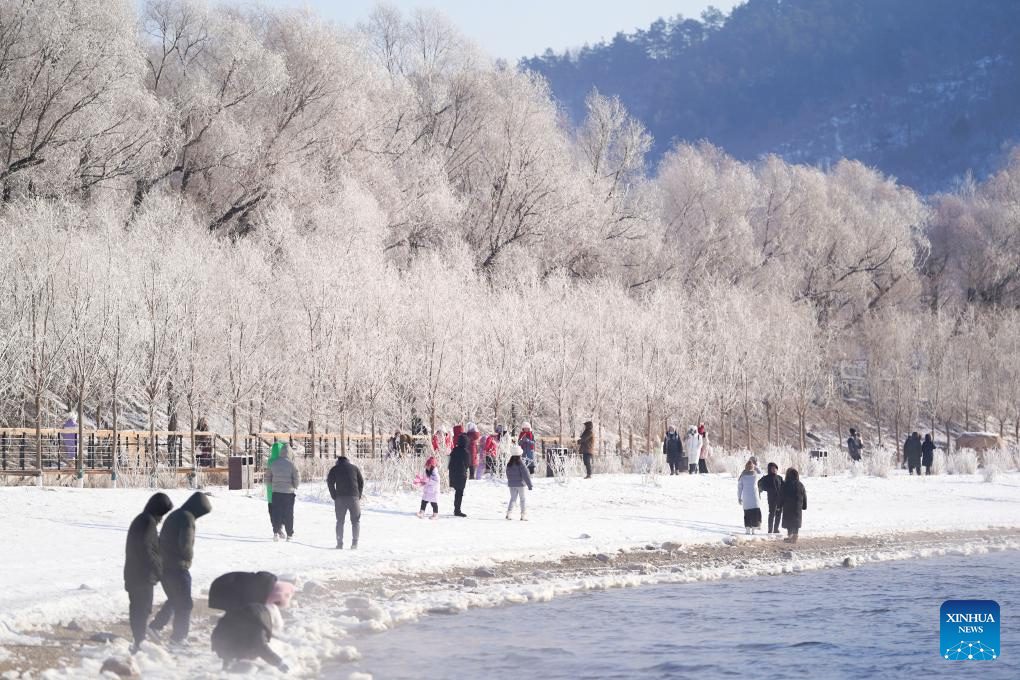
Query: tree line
{"x": 257, "y": 217}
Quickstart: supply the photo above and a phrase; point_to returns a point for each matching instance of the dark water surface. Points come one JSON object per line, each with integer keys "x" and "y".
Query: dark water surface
{"x": 875, "y": 621}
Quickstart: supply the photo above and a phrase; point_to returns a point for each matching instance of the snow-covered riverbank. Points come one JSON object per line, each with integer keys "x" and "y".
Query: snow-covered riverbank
{"x": 64, "y": 548}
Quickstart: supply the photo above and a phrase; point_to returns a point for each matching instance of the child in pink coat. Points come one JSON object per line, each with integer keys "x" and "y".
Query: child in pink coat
{"x": 430, "y": 488}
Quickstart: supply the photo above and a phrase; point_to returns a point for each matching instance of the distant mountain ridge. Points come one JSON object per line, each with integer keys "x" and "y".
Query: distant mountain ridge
{"x": 925, "y": 90}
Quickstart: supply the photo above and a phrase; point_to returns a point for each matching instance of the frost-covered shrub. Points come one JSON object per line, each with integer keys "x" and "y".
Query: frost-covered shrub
{"x": 963, "y": 462}
{"x": 939, "y": 466}
{"x": 650, "y": 466}
{"x": 1000, "y": 459}
{"x": 880, "y": 462}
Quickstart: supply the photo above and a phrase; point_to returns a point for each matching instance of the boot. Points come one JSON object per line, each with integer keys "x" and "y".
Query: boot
{"x": 524, "y": 516}
{"x": 435, "y": 515}
{"x": 747, "y": 531}
{"x": 421, "y": 513}
{"x": 508, "y": 514}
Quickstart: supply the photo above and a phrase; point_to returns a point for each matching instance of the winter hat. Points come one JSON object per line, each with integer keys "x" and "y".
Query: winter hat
{"x": 281, "y": 594}
{"x": 471, "y": 427}
{"x": 526, "y": 426}
{"x": 701, "y": 428}
{"x": 431, "y": 462}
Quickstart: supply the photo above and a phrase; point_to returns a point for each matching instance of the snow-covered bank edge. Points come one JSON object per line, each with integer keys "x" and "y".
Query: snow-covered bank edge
{"x": 329, "y": 616}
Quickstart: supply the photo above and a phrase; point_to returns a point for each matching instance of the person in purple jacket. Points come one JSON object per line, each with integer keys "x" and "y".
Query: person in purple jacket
{"x": 517, "y": 478}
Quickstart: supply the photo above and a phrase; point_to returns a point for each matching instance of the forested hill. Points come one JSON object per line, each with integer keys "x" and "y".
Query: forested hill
{"x": 923, "y": 89}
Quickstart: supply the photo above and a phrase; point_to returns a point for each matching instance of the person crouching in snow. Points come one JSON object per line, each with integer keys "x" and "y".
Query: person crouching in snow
{"x": 245, "y": 631}
{"x": 143, "y": 566}
{"x": 517, "y": 478}
{"x": 430, "y": 489}
{"x": 747, "y": 496}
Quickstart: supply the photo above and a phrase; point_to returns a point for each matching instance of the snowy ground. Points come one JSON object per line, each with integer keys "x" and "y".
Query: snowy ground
{"x": 63, "y": 551}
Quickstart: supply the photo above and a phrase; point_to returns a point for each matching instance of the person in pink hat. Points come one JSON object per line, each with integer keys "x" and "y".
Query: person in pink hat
{"x": 430, "y": 488}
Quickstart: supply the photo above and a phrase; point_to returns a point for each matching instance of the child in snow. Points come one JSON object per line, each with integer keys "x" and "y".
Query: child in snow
{"x": 793, "y": 498}
{"x": 251, "y": 602}
{"x": 517, "y": 478}
{"x": 747, "y": 496}
{"x": 430, "y": 488}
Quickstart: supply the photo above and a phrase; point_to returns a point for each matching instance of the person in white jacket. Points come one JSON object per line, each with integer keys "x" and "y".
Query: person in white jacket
{"x": 747, "y": 496}
{"x": 692, "y": 445}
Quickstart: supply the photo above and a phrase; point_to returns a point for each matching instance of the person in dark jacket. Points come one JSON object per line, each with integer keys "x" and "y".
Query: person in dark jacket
{"x": 586, "y": 447}
{"x": 177, "y": 548}
{"x": 927, "y": 453}
{"x": 143, "y": 567}
{"x": 235, "y": 589}
{"x": 793, "y": 499}
{"x": 458, "y": 467}
{"x": 345, "y": 488}
{"x": 854, "y": 445}
{"x": 244, "y": 633}
{"x": 673, "y": 447}
{"x": 912, "y": 451}
{"x": 772, "y": 485}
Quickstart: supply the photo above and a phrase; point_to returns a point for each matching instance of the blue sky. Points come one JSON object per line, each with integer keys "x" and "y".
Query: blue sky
{"x": 526, "y": 27}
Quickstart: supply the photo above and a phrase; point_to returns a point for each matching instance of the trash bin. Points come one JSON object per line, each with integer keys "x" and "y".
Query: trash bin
{"x": 818, "y": 454}
{"x": 240, "y": 471}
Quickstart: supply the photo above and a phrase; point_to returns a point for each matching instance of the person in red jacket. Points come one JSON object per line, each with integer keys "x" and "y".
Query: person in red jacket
{"x": 473, "y": 436}
{"x": 526, "y": 440}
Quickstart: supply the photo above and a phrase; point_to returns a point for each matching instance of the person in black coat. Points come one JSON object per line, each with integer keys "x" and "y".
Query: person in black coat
{"x": 244, "y": 633}
{"x": 673, "y": 447}
{"x": 927, "y": 453}
{"x": 793, "y": 499}
{"x": 912, "y": 451}
{"x": 772, "y": 485}
{"x": 235, "y": 589}
{"x": 177, "y": 548}
{"x": 143, "y": 567}
{"x": 346, "y": 485}
{"x": 460, "y": 461}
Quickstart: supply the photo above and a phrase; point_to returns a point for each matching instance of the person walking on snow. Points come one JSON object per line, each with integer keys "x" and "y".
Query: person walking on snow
{"x": 430, "y": 489}
{"x": 586, "y": 446}
{"x": 177, "y": 549}
{"x": 854, "y": 445}
{"x": 772, "y": 484}
{"x": 274, "y": 454}
{"x": 912, "y": 451}
{"x": 458, "y": 467}
{"x": 346, "y": 485}
{"x": 517, "y": 478}
{"x": 283, "y": 478}
{"x": 927, "y": 454}
{"x": 673, "y": 447}
{"x": 793, "y": 499}
{"x": 747, "y": 496}
{"x": 526, "y": 440}
{"x": 705, "y": 451}
{"x": 693, "y": 447}
{"x": 143, "y": 567}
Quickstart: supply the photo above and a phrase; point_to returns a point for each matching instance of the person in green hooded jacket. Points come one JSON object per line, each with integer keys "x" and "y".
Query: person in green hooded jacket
{"x": 274, "y": 453}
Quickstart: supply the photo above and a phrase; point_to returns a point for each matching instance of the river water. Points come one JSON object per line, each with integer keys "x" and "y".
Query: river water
{"x": 875, "y": 621}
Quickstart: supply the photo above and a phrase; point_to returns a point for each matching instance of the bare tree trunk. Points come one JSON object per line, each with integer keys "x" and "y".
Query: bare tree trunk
{"x": 233, "y": 420}
{"x": 949, "y": 441}
{"x": 648, "y": 428}
{"x": 80, "y": 453}
{"x": 343, "y": 433}
{"x": 114, "y": 448}
{"x": 559, "y": 413}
